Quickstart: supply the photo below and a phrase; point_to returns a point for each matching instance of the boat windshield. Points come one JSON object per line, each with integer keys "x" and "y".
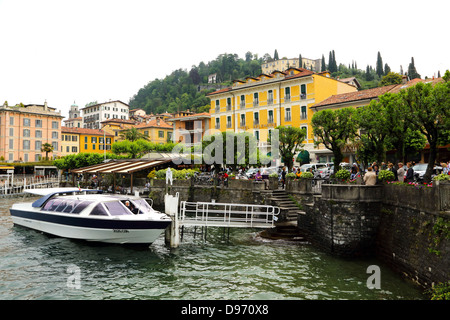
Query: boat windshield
{"x": 117, "y": 208}
{"x": 142, "y": 206}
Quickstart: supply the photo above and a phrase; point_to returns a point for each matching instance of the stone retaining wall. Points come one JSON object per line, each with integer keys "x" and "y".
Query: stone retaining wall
{"x": 404, "y": 226}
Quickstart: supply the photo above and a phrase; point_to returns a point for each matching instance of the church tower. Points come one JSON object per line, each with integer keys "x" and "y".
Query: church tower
{"x": 73, "y": 112}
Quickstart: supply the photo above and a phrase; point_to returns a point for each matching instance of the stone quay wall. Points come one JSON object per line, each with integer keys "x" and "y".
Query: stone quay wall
{"x": 404, "y": 226}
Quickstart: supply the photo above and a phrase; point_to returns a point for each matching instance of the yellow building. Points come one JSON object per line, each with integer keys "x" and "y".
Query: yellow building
{"x": 115, "y": 126}
{"x": 86, "y": 140}
{"x": 259, "y": 104}
{"x": 70, "y": 141}
{"x": 157, "y": 130}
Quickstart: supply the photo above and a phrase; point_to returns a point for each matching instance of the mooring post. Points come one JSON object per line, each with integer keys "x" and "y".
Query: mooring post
{"x": 173, "y": 231}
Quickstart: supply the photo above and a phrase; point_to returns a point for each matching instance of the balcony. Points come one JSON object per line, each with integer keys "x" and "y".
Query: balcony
{"x": 228, "y": 107}
{"x": 270, "y": 101}
{"x": 217, "y": 126}
{"x": 303, "y": 96}
{"x": 287, "y": 98}
{"x": 287, "y": 118}
{"x": 242, "y": 105}
{"x": 255, "y": 102}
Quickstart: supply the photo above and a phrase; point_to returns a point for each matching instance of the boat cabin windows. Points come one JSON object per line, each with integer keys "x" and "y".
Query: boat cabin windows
{"x": 81, "y": 206}
{"x": 99, "y": 210}
{"x": 65, "y": 205}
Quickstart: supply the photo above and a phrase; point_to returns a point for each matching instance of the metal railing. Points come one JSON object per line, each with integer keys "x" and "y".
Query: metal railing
{"x": 227, "y": 215}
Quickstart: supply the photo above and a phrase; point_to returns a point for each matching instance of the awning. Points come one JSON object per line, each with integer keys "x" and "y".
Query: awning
{"x": 121, "y": 166}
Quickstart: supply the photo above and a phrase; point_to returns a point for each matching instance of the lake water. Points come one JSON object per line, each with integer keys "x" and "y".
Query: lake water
{"x": 38, "y": 266}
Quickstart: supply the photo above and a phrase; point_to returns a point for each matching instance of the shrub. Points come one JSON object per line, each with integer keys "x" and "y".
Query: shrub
{"x": 176, "y": 174}
{"x": 307, "y": 175}
{"x": 342, "y": 174}
{"x": 386, "y": 175}
{"x": 273, "y": 175}
{"x": 290, "y": 175}
{"x": 442, "y": 177}
{"x": 152, "y": 174}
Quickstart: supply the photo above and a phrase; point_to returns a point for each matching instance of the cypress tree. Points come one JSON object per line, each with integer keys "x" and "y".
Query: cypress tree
{"x": 275, "y": 55}
{"x": 330, "y": 62}
{"x": 334, "y": 62}
{"x": 387, "y": 69}
{"x": 379, "y": 65}
{"x": 412, "y": 72}
{"x": 324, "y": 66}
{"x": 300, "y": 64}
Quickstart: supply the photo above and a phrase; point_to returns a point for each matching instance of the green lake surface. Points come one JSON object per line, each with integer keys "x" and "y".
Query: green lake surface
{"x": 244, "y": 266}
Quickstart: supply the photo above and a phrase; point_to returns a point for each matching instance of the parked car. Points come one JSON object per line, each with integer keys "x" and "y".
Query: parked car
{"x": 314, "y": 166}
{"x": 325, "y": 173}
{"x": 421, "y": 168}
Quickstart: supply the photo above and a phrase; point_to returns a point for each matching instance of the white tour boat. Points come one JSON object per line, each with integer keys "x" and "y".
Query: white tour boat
{"x": 90, "y": 215}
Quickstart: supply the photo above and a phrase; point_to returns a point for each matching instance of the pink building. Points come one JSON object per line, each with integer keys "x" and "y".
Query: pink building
{"x": 24, "y": 129}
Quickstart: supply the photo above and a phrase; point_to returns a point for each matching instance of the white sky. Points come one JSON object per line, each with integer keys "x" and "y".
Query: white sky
{"x": 65, "y": 51}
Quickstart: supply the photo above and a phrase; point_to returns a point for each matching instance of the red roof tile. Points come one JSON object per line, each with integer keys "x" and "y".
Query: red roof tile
{"x": 156, "y": 123}
{"x": 96, "y": 132}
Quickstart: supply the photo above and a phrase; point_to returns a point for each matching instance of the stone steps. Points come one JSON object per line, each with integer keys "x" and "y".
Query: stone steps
{"x": 286, "y": 205}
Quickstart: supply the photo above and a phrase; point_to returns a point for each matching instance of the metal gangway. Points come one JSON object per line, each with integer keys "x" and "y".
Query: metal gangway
{"x": 214, "y": 214}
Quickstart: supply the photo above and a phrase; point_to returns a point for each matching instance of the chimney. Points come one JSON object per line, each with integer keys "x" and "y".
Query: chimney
{"x": 45, "y": 105}
{"x": 404, "y": 79}
{"x": 157, "y": 122}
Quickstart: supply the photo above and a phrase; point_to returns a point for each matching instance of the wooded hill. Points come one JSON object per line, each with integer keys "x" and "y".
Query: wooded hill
{"x": 182, "y": 89}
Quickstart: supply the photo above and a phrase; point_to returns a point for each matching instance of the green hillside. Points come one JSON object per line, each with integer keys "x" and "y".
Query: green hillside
{"x": 182, "y": 89}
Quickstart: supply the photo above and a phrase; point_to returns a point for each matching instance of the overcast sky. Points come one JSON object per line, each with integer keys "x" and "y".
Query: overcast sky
{"x": 83, "y": 51}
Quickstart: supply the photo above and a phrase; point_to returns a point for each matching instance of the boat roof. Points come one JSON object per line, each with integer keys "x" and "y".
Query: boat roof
{"x": 51, "y": 192}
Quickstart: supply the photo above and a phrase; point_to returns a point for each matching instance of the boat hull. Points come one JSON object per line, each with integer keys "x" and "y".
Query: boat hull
{"x": 92, "y": 229}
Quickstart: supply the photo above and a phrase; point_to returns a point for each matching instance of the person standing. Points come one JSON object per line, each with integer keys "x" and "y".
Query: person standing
{"x": 401, "y": 172}
{"x": 283, "y": 177}
{"x": 370, "y": 178}
{"x": 409, "y": 173}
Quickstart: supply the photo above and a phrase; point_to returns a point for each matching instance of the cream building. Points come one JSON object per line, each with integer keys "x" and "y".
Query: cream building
{"x": 284, "y": 64}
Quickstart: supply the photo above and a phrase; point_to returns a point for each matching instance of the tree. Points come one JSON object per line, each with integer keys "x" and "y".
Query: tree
{"x": 387, "y": 69}
{"x": 368, "y": 75}
{"x": 230, "y": 149}
{"x": 412, "y": 72}
{"x": 334, "y": 129}
{"x": 47, "y": 148}
{"x": 324, "y": 66}
{"x": 375, "y": 124}
{"x": 79, "y": 160}
{"x": 332, "y": 64}
{"x": 391, "y": 78}
{"x": 194, "y": 75}
{"x": 379, "y": 68}
{"x": 275, "y": 55}
{"x": 300, "y": 61}
{"x": 132, "y": 134}
{"x": 131, "y": 148}
{"x": 429, "y": 111}
{"x": 290, "y": 142}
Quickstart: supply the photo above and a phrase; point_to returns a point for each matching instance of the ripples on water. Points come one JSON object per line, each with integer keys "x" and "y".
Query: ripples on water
{"x": 35, "y": 266}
